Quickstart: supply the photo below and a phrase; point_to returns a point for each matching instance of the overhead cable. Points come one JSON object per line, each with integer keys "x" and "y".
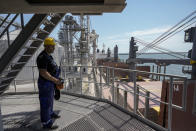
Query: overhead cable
{"x": 158, "y": 42}
{"x": 161, "y": 50}
{"x": 168, "y": 32}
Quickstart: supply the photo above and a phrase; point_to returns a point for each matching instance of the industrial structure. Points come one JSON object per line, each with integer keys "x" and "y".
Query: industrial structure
{"x": 94, "y": 96}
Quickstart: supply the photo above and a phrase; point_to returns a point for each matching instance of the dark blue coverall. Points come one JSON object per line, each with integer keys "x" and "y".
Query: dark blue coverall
{"x": 46, "y": 87}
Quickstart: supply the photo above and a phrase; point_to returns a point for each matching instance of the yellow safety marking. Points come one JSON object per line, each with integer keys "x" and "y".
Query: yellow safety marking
{"x": 157, "y": 109}
{"x": 192, "y": 62}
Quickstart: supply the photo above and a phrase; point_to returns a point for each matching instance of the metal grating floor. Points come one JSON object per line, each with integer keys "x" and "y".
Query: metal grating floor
{"x": 21, "y": 113}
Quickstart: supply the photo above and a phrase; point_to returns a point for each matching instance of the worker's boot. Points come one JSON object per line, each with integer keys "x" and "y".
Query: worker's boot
{"x": 50, "y": 126}
{"x": 53, "y": 127}
{"x": 55, "y": 116}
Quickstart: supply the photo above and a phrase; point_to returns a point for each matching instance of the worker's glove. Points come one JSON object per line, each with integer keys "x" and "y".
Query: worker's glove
{"x": 57, "y": 93}
{"x": 57, "y": 89}
{"x": 60, "y": 86}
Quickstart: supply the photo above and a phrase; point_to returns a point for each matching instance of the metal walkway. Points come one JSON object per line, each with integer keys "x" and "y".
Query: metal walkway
{"x": 160, "y": 61}
{"x": 21, "y": 112}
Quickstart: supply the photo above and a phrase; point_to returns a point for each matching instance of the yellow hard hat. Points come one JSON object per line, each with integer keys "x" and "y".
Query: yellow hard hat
{"x": 49, "y": 41}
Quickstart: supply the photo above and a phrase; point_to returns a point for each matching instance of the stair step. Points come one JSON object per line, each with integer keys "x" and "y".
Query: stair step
{"x": 6, "y": 78}
{"x": 25, "y": 55}
{"x": 3, "y": 85}
{"x": 17, "y": 67}
{"x": 30, "y": 47}
{"x": 48, "y": 22}
{"x": 43, "y": 31}
{"x": 54, "y": 15}
{"x": 30, "y": 51}
{"x": 24, "y": 58}
{"x": 19, "y": 63}
{"x": 10, "y": 74}
{"x": 10, "y": 71}
{"x": 36, "y": 39}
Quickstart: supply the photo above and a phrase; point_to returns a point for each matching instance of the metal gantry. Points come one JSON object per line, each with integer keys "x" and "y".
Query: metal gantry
{"x": 24, "y": 45}
{"x": 76, "y": 38}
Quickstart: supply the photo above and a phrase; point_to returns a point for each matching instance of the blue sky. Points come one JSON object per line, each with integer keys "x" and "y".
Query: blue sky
{"x": 144, "y": 19}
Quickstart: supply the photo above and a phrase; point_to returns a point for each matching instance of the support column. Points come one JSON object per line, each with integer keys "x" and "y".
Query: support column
{"x": 153, "y": 72}
{"x": 146, "y": 113}
{"x": 164, "y": 71}
{"x": 1, "y": 123}
{"x": 157, "y": 72}
{"x": 193, "y": 56}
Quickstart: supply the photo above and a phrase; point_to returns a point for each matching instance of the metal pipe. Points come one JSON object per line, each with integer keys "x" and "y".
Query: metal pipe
{"x": 81, "y": 80}
{"x": 142, "y": 72}
{"x": 33, "y": 78}
{"x": 8, "y": 26}
{"x": 170, "y": 104}
{"x": 1, "y": 122}
{"x": 113, "y": 77}
{"x": 137, "y": 98}
{"x": 125, "y": 100}
{"x": 147, "y": 104}
{"x": 4, "y": 20}
{"x": 108, "y": 76}
{"x": 152, "y": 71}
{"x": 22, "y": 20}
{"x": 184, "y": 95}
{"x": 157, "y": 72}
{"x": 8, "y": 37}
{"x": 117, "y": 95}
{"x": 115, "y": 89}
{"x": 15, "y": 85}
{"x": 100, "y": 92}
{"x": 135, "y": 90}
{"x": 164, "y": 72}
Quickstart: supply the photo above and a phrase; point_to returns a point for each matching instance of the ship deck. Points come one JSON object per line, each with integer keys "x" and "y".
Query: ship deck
{"x": 21, "y": 112}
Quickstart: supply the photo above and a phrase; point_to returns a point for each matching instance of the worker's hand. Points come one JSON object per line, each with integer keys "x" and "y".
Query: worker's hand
{"x": 57, "y": 82}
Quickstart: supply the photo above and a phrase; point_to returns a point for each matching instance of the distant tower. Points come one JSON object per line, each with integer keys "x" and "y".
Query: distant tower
{"x": 116, "y": 53}
{"x": 103, "y": 50}
{"x": 132, "y": 55}
{"x": 97, "y": 50}
{"x": 132, "y": 49}
{"x": 108, "y": 52}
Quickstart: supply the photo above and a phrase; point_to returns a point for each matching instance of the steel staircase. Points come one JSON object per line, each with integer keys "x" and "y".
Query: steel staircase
{"x": 25, "y": 45}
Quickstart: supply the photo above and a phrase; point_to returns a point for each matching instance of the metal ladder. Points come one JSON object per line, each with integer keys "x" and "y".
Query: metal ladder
{"x": 25, "y": 45}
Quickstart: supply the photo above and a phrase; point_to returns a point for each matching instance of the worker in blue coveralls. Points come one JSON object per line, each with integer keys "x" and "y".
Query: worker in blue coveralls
{"x": 46, "y": 82}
